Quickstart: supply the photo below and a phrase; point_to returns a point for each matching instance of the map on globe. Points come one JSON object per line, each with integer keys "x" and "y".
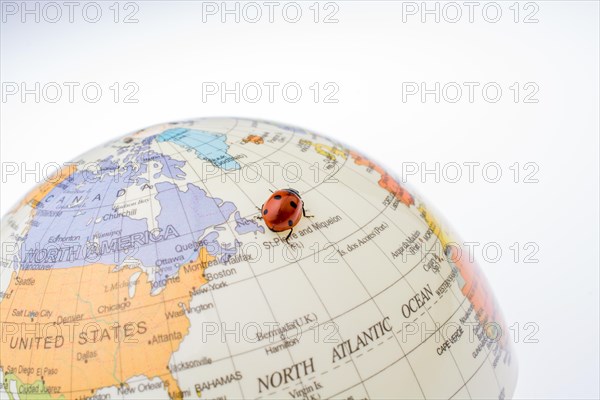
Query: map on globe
{"x": 142, "y": 269}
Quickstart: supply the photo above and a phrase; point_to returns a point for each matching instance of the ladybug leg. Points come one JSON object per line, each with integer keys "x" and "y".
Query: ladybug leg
{"x": 259, "y": 216}
{"x": 288, "y": 236}
{"x": 304, "y": 213}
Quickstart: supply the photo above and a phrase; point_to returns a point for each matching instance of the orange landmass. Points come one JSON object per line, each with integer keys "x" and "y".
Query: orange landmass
{"x": 386, "y": 181}
{"x": 40, "y": 191}
{"x": 476, "y": 288}
{"x": 253, "y": 139}
{"x": 77, "y": 329}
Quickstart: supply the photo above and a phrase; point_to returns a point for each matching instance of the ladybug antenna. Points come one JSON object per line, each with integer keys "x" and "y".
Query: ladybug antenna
{"x": 294, "y": 191}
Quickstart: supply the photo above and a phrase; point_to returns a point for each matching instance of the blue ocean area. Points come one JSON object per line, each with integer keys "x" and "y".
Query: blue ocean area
{"x": 207, "y": 145}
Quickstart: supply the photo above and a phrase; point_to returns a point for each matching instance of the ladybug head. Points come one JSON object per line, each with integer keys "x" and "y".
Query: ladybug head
{"x": 294, "y": 191}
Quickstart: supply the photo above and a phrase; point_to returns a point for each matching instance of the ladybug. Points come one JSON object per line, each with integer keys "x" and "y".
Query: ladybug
{"x": 283, "y": 210}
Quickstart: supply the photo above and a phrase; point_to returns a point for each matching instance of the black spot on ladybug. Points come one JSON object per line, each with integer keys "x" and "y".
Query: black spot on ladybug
{"x": 265, "y": 212}
{"x": 290, "y": 222}
{"x": 277, "y": 197}
{"x": 293, "y": 204}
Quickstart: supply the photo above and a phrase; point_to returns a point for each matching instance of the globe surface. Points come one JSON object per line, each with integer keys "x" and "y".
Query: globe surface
{"x": 142, "y": 270}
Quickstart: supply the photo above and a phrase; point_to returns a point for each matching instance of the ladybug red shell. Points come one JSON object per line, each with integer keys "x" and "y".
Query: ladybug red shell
{"x": 283, "y": 210}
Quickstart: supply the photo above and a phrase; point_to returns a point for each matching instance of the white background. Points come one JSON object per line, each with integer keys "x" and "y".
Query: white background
{"x": 372, "y": 49}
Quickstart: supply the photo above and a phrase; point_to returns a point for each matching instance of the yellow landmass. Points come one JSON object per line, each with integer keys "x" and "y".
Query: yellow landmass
{"x": 476, "y": 288}
{"x": 77, "y": 329}
{"x": 434, "y": 226}
{"x": 329, "y": 152}
{"x": 386, "y": 181}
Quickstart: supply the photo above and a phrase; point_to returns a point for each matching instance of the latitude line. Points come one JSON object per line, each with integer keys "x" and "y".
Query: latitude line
{"x": 257, "y": 282}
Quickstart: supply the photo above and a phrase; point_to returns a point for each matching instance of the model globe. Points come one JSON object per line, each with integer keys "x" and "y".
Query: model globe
{"x": 145, "y": 269}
